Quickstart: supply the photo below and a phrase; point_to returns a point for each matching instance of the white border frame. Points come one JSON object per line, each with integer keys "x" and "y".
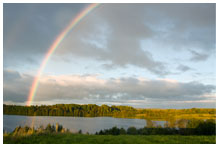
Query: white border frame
{"x": 97, "y": 1}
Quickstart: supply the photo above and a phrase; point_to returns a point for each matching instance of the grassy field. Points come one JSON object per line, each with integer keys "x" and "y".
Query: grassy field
{"x": 177, "y": 117}
{"x": 68, "y": 138}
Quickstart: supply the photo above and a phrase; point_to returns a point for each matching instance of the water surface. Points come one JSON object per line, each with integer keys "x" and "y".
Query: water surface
{"x": 74, "y": 124}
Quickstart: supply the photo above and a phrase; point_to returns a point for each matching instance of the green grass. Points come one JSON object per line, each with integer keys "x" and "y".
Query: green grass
{"x": 68, "y": 138}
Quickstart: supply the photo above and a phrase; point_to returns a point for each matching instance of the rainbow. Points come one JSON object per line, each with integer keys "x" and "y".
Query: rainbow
{"x": 54, "y": 46}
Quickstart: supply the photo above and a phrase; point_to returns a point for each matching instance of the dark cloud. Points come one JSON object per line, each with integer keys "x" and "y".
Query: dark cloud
{"x": 10, "y": 75}
{"x": 115, "y": 38}
{"x": 196, "y": 56}
{"x": 119, "y": 28}
{"x": 111, "y": 33}
{"x": 29, "y": 29}
{"x": 183, "y": 26}
{"x": 183, "y": 68}
{"x": 15, "y": 86}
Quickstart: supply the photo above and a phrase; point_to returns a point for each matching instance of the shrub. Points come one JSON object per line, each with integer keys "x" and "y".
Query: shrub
{"x": 132, "y": 131}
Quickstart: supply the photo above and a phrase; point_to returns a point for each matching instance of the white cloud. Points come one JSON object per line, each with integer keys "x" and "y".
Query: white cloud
{"x": 73, "y": 87}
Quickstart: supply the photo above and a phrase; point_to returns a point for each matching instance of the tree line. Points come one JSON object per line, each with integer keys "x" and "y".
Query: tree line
{"x": 207, "y": 127}
{"x": 89, "y": 110}
{"x": 92, "y": 110}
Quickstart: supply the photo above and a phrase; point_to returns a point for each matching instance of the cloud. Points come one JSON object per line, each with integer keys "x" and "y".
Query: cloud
{"x": 10, "y": 75}
{"x": 105, "y": 38}
{"x": 183, "y": 68}
{"x": 29, "y": 29}
{"x": 111, "y": 33}
{"x": 15, "y": 86}
{"x": 82, "y": 87}
{"x": 183, "y": 26}
{"x": 196, "y": 56}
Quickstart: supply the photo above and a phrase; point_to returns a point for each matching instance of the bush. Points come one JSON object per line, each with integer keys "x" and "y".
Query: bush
{"x": 50, "y": 128}
{"x": 115, "y": 131}
{"x": 132, "y": 131}
{"x": 206, "y": 128}
{"x": 122, "y": 131}
{"x": 80, "y": 131}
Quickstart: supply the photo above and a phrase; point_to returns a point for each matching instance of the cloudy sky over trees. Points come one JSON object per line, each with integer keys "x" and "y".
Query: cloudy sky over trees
{"x": 142, "y": 55}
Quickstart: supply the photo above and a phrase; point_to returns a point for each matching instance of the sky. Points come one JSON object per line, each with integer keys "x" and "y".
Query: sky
{"x": 140, "y": 55}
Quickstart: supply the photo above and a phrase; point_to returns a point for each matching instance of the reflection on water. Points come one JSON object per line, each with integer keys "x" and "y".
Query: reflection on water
{"x": 87, "y": 124}
{"x": 74, "y": 124}
{"x": 171, "y": 123}
{"x": 153, "y": 123}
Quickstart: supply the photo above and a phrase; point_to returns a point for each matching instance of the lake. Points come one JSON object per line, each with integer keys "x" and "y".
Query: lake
{"x": 74, "y": 124}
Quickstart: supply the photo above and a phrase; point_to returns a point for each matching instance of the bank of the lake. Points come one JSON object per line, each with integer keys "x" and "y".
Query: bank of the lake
{"x": 68, "y": 138}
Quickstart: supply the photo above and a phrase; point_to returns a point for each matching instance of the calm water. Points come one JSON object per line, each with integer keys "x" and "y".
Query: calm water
{"x": 74, "y": 124}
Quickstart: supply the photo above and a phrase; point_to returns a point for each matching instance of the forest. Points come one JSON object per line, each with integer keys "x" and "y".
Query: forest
{"x": 92, "y": 110}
